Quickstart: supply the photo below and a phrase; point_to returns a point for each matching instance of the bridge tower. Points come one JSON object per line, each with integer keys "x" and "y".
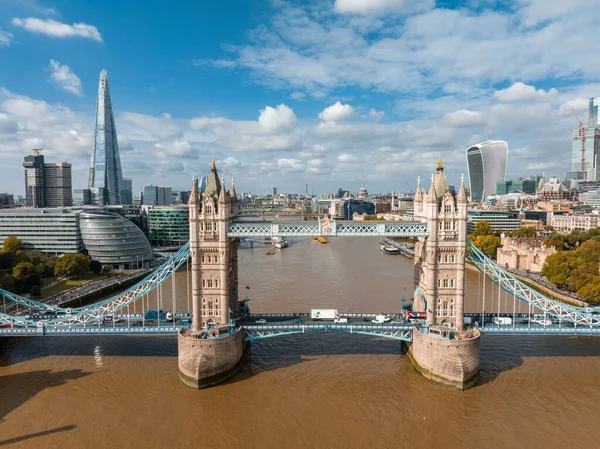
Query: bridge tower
{"x": 211, "y": 350}
{"x": 440, "y": 286}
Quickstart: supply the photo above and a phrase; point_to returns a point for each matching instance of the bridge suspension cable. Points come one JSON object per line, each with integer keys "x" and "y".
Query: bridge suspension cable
{"x": 108, "y": 306}
{"x": 508, "y": 283}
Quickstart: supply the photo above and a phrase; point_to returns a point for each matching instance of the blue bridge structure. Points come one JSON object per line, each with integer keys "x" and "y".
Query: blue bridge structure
{"x": 216, "y": 319}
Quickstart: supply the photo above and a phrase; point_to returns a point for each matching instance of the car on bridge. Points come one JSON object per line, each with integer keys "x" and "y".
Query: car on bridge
{"x": 261, "y": 321}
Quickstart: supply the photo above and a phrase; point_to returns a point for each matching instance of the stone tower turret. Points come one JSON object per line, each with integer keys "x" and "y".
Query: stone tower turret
{"x": 440, "y": 258}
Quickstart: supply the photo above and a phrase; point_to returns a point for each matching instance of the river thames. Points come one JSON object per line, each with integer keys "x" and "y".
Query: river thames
{"x": 323, "y": 390}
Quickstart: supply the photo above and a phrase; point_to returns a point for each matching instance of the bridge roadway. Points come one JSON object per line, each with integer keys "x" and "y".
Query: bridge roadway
{"x": 284, "y": 324}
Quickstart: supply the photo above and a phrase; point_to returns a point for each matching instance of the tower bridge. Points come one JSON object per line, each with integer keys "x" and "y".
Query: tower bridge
{"x": 212, "y": 346}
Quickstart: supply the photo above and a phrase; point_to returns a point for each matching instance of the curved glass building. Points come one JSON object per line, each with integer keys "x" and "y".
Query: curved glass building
{"x": 486, "y": 165}
{"x": 114, "y": 240}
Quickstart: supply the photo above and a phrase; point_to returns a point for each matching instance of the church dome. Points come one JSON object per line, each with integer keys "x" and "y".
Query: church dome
{"x": 362, "y": 193}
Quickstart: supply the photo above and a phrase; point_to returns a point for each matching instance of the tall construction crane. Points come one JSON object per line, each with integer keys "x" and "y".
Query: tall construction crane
{"x": 409, "y": 189}
{"x": 582, "y": 137}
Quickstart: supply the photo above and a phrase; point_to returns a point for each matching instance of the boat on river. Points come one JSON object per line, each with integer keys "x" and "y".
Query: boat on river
{"x": 279, "y": 242}
{"x": 390, "y": 250}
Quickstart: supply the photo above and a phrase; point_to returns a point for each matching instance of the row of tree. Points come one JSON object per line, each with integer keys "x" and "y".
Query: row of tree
{"x": 22, "y": 271}
{"x": 576, "y": 265}
{"x": 574, "y": 268}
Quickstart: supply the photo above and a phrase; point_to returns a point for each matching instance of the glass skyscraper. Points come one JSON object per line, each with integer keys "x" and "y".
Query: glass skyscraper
{"x": 486, "y": 164}
{"x": 105, "y": 163}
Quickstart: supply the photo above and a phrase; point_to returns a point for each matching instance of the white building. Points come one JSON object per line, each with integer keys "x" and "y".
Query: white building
{"x": 567, "y": 223}
{"x": 486, "y": 163}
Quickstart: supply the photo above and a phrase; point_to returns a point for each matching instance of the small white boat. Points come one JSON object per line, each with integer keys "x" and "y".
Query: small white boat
{"x": 390, "y": 249}
{"x": 279, "y": 242}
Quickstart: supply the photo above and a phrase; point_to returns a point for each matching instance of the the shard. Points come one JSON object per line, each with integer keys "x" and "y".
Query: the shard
{"x": 105, "y": 163}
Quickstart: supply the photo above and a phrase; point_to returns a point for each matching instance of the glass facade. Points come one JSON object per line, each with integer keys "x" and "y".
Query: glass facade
{"x": 157, "y": 196}
{"x": 168, "y": 226}
{"x": 499, "y": 221}
{"x": 105, "y": 163}
{"x": 486, "y": 165}
{"x": 516, "y": 185}
{"x": 34, "y": 180}
{"x": 51, "y": 231}
{"x": 114, "y": 240}
{"x": 591, "y": 159}
{"x": 57, "y": 184}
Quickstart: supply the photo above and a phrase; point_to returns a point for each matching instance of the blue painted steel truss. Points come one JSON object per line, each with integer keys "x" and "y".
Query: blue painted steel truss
{"x": 329, "y": 228}
{"x": 394, "y": 332}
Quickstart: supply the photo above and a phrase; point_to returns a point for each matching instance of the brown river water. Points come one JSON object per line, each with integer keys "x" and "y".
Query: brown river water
{"x": 324, "y": 390}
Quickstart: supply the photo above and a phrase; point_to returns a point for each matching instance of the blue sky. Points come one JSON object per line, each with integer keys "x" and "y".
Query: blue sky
{"x": 326, "y": 92}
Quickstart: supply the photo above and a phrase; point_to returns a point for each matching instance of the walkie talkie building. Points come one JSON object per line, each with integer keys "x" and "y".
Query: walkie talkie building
{"x": 486, "y": 163}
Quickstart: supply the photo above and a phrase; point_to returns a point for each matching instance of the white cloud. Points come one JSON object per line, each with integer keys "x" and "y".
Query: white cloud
{"x": 217, "y": 63}
{"x": 63, "y": 77}
{"x": 337, "y": 111}
{"x": 579, "y": 105}
{"x": 379, "y": 6}
{"x": 377, "y": 115}
{"x": 53, "y": 28}
{"x": 287, "y": 164}
{"x": 5, "y": 38}
{"x": 275, "y": 118}
{"x": 523, "y": 92}
{"x": 345, "y": 157}
{"x": 463, "y": 117}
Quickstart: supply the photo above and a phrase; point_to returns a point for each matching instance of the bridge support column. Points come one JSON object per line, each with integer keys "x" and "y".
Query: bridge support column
{"x": 204, "y": 362}
{"x": 451, "y": 362}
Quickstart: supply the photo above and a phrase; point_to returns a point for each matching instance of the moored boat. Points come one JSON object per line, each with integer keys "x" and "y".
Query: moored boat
{"x": 390, "y": 249}
{"x": 279, "y": 242}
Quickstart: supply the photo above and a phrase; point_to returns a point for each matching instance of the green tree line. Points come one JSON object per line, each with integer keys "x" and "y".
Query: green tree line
{"x": 21, "y": 271}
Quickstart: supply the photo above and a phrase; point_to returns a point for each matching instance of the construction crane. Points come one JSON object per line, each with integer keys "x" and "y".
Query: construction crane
{"x": 582, "y": 137}
{"x": 409, "y": 189}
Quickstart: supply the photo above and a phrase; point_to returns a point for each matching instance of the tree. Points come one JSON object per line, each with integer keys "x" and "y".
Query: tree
{"x": 591, "y": 291}
{"x": 482, "y": 228}
{"x": 526, "y": 231}
{"x": 95, "y": 266}
{"x": 589, "y": 251}
{"x": 72, "y": 265}
{"x": 25, "y": 273}
{"x": 488, "y": 244}
{"x": 556, "y": 243}
{"x": 11, "y": 244}
{"x": 106, "y": 269}
{"x": 35, "y": 291}
{"x": 582, "y": 275}
{"x": 7, "y": 281}
{"x": 559, "y": 266}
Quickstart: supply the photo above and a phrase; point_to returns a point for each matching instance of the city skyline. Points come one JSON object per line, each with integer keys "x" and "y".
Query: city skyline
{"x": 383, "y": 120}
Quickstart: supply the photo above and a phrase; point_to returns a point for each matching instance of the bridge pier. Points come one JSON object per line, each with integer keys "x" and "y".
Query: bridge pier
{"x": 454, "y": 363}
{"x": 205, "y": 361}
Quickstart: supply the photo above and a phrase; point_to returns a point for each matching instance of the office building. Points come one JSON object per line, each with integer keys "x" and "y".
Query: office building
{"x": 499, "y": 221}
{"x": 82, "y": 197}
{"x": 34, "y": 180}
{"x": 52, "y": 231}
{"x": 105, "y": 163}
{"x": 157, "y": 196}
{"x": 168, "y": 226}
{"x": 274, "y": 191}
{"x": 47, "y": 184}
{"x": 565, "y": 223}
{"x": 585, "y": 160}
{"x": 57, "y": 185}
{"x": 594, "y": 113}
{"x": 127, "y": 192}
{"x": 486, "y": 165}
{"x": 6, "y": 199}
{"x": 521, "y": 185}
